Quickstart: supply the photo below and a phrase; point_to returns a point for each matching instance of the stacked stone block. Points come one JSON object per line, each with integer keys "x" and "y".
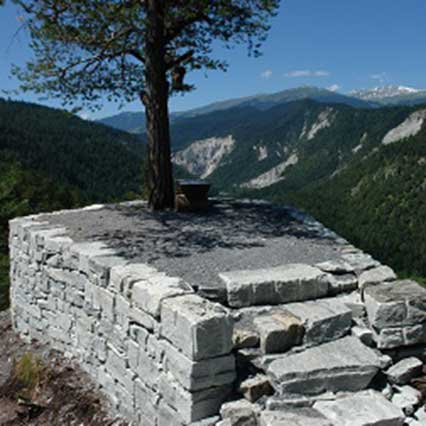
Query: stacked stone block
{"x": 306, "y": 340}
{"x": 397, "y": 313}
{"x": 160, "y": 352}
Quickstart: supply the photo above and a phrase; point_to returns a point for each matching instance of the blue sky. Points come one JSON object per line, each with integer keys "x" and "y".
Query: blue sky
{"x": 342, "y": 44}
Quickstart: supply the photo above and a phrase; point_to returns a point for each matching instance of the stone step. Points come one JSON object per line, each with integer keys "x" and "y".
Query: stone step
{"x": 320, "y": 321}
{"x": 274, "y": 286}
{"x": 342, "y": 365}
{"x": 324, "y": 320}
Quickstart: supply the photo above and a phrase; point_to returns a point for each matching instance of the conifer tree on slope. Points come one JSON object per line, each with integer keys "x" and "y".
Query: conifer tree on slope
{"x": 122, "y": 50}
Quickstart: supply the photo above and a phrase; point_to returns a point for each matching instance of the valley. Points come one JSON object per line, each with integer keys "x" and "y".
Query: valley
{"x": 361, "y": 171}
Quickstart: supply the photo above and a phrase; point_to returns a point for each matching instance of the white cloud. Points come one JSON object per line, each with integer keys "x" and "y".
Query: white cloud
{"x": 267, "y": 74}
{"x": 334, "y": 88}
{"x": 321, "y": 73}
{"x": 307, "y": 73}
{"x": 382, "y": 77}
{"x": 298, "y": 73}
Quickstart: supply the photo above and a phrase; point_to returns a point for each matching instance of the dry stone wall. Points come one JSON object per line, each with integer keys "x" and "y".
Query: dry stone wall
{"x": 161, "y": 353}
{"x": 296, "y": 344}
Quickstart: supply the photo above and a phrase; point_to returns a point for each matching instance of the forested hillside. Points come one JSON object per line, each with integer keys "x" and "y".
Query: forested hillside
{"x": 322, "y": 138}
{"x": 379, "y": 203}
{"x": 23, "y": 192}
{"x": 50, "y": 159}
{"x": 104, "y": 163}
{"x": 360, "y": 171}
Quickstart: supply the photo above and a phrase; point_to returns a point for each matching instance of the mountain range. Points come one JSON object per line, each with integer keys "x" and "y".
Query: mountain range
{"x": 134, "y": 122}
{"x": 392, "y": 95}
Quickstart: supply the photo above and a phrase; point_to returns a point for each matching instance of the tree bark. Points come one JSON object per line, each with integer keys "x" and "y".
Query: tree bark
{"x": 155, "y": 99}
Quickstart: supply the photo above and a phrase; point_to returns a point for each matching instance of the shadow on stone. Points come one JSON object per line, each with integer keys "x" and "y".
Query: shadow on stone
{"x": 234, "y": 225}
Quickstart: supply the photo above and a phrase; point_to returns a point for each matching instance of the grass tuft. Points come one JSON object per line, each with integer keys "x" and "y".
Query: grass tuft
{"x": 28, "y": 373}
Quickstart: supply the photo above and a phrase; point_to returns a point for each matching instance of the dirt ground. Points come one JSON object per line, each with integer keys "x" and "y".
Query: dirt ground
{"x": 38, "y": 387}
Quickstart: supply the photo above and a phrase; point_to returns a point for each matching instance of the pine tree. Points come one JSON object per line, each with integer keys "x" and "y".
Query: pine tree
{"x": 128, "y": 49}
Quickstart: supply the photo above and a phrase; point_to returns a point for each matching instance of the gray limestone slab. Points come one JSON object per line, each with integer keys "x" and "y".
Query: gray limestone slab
{"x": 407, "y": 399}
{"x": 279, "y": 331}
{"x": 146, "y": 402}
{"x": 344, "y": 364}
{"x": 354, "y": 303}
{"x": 210, "y": 421}
{"x": 192, "y": 406}
{"x": 283, "y": 402}
{"x": 337, "y": 266}
{"x": 378, "y": 275}
{"x": 293, "y": 417}
{"x": 360, "y": 261}
{"x": 168, "y": 416}
{"x": 399, "y": 303}
{"x": 324, "y": 320}
{"x": 283, "y": 284}
{"x": 245, "y": 338}
{"x": 364, "y": 334}
{"x": 150, "y": 293}
{"x": 198, "y": 375}
{"x": 405, "y": 370}
{"x": 254, "y": 388}
{"x": 366, "y": 408}
{"x": 239, "y": 413}
{"x": 397, "y": 312}
{"x": 123, "y": 276}
{"x": 199, "y": 328}
{"x": 84, "y": 251}
{"x": 342, "y": 283}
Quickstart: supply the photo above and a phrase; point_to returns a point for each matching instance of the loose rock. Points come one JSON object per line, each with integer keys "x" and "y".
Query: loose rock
{"x": 293, "y": 417}
{"x": 405, "y": 370}
{"x": 407, "y": 399}
{"x": 279, "y": 332}
{"x": 366, "y": 408}
{"x": 364, "y": 334}
{"x": 255, "y": 387}
{"x": 343, "y": 365}
{"x": 245, "y": 339}
{"x": 239, "y": 413}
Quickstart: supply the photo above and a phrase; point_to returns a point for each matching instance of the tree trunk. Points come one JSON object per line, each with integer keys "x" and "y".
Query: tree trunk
{"x": 155, "y": 99}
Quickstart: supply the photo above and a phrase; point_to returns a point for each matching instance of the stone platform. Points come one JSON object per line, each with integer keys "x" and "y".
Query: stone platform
{"x": 232, "y": 235}
{"x": 250, "y": 315}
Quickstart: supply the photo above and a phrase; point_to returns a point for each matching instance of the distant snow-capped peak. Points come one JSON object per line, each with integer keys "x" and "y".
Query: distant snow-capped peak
{"x": 384, "y": 92}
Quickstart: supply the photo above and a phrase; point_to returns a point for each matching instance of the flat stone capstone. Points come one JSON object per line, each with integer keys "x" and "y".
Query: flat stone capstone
{"x": 345, "y": 365}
